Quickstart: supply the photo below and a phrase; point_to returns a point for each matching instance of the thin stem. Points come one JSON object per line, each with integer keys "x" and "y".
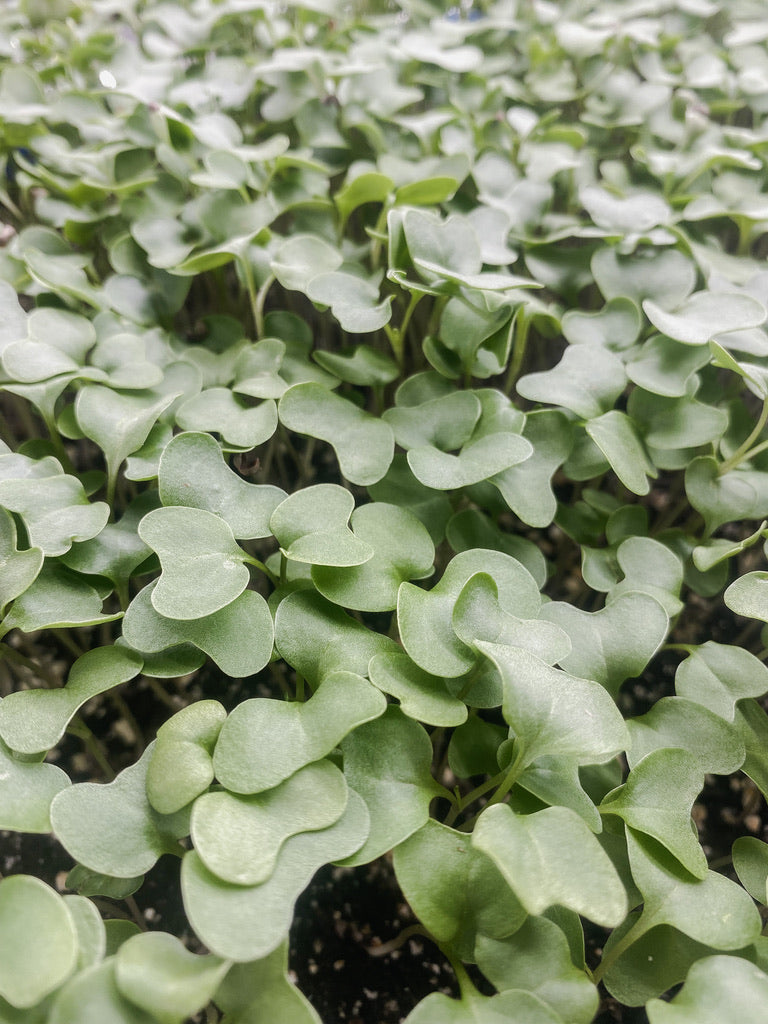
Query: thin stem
{"x": 519, "y": 348}
{"x": 513, "y": 773}
{"x": 258, "y": 308}
{"x": 77, "y": 727}
{"x": 462, "y": 802}
{"x": 389, "y": 947}
{"x": 17, "y": 658}
{"x": 743, "y": 451}
{"x": 262, "y": 567}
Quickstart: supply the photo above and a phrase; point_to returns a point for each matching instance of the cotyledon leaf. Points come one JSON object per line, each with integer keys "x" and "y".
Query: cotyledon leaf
{"x": 454, "y": 889}
{"x": 245, "y": 923}
{"x": 551, "y": 857}
{"x": 112, "y": 828}
{"x": 26, "y": 791}
{"x": 657, "y": 798}
{"x": 613, "y": 644}
{"x": 32, "y": 721}
{"x": 587, "y": 380}
{"x": 316, "y": 637}
{"x": 312, "y": 526}
{"x": 238, "y": 637}
{"x": 617, "y": 437}
{"x": 717, "y": 988}
{"x": 234, "y": 417}
{"x": 156, "y": 972}
{"x": 193, "y": 473}
{"x": 92, "y": 997}
{"x": 513, "y": 1007}
{"x": 181, "y": 766}
{"x": 194, "y": 544}
{"x": 402, "y": 550}
{"x": 262, "y": 990}
{"x": 38, "y": 940}
{"x": 478, "y": 460}
{"x": 679, "y": 722}
{"x": 239, "y": 838}
{"x": 425, "y": 617}
{"x": 354, "y": 300}
{"x": 554, "y": 713}
{"x": 264, "y": 741}
{"x": 422, "y": 696}
{"x": 18, "y": 569}
{"x": 750, "y": 861}
{"x": 719, "y": 675}
{"x": 55, "y": 599}
{"x": 706, "y": 314}
{"x": 364, "y": 445}
{"x": 387, "y": 761}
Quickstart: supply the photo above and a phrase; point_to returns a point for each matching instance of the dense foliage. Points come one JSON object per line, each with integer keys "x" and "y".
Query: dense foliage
{"x": 411, "y": 367}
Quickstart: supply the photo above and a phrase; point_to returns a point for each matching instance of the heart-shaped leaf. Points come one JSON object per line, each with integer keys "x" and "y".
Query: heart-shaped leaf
{"x": 551, "y": 857}
{"x": 587, "y": 380}
{"x": 263, "y": 988}
{"x": 112, "y": 828}
{"x": 353, "y": 300}
{"x": 311, "y": 526}
{"x": 239, "y": 838}
{"x": 263, "y": 741}
{"x": 664, "y": 275}
{"x": 57, "y": 598}
{"x": 613, "y": 644}
{"x": 478, "y": 460}
{"x": 181, "y": 766}
{"x": 26, "y": 791}
{"x": 193, "y": 544}
{"x": 363, "y": 444}
{"x": 193, "y": 473}
{"x": 238, "y": 637}
{"x": 236, "y": 419}
{"x": 245, "y": 923}
{"x": 657, "y": 799}
{"x": 724, "y": 497}
{"x": 536, "y": 959}
{"x": 617, "y": 437}
{"x": 387, "y": 762}
{"x": 704, "y": 315}
{"x": 155, "y": 972}
{"x": 32, "y": 721}
{"x": 402, "y": 550}
{"x": 425, "y": 617}
{"x": 717, "y": 987}
{"x": 316, "y": 637}
{"x": 18, "y": 569}
{"x": 92, "y": 996}
{"x": 454, "y": 889}
{"x": 750, "y": 861}
{"x": 422, "y": 696}
{"x": 38, "y": 940}
{"x": 678, "y": 722}
{"x": 615, "y": 327}
{"x": 514, "y": 1007}
{"x": 553, "y": 713}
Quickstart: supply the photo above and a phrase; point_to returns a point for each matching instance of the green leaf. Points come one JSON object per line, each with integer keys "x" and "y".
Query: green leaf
{"x": 402, "y": 550}
{"x": 38, "y": 940}
{"x": 387, "y": 762}
{"x": 26, "y": 791}
{"x": 478, "y": 460}
{"x": 33, "y": 721}
{"x": 57, "y": 598}
{"x": 471, "y": 528}
{"x": 316, "y": 637}
{"x": 245, "y": 923}
{"x": 92, "y": 997}
{"x": 363, "y": 444}
{"x": 112, "y": 828}
{"x": 454, "y": 889}
{"x": 664, "y": 367}
{"x": 18, "y": 569}
{"x": 717, "y": 988}
{"x": 477, "y": 615}
{"x": 422, "y": 696}
{"x": 615, "y": 326}
{"x": 193, "y": 473}
{"x": 353, "y": 300}
{"x": 657, "y": 799}
{"x": 536, "y": 959}
{"x": 514, "y": 1007}
{"x": 553, "y": 713}
{"x": 263, "y": 741}
{"x": 52, "y": 504}
{"x": 311, "y": 526}
{"x": 239, "y": 838}
{"x": 713, "y": 911}
{"x": 118, "y": 423}
{"x": 613, "y": 644}
{"x": 587, "y": 380}
{"x": 679, "y": 722}
{"x": 750, "y": 861}
{"x": 91, "y": 934}
{"x": 181, "y": 766}
{"x": 238, "y": 637}
{"x": 704, "y": 315}
{"x": 362, "y": 365}
{"x": 748, "y": 595}
{"x": 117, "y": 551}
{"x": 193, "y": 544}
{"x": 616, "y": 435}
{"x": 664, "y": 275}
{"x": 300, "y": 258}
{"x": 233, "y": 417}
{"x": 425, "y": 617}
{"x": 550, "y": 857}
{"x": 262, "y": 990}
{"x": 155, "y": 972}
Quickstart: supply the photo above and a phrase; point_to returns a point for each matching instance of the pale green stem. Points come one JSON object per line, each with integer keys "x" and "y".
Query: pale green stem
{"x": 745, "y": 448}
{"x": 519, "y": 349}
